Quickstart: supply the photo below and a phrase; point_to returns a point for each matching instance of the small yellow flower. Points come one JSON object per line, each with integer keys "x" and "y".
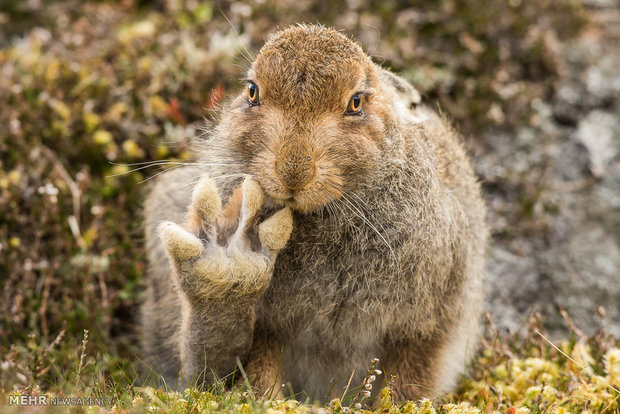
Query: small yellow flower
{"x": 158, "y": 105}
{"x": 91, "y": 121}
{"x": 132, "y": 149}
{"x": 162, "y": 151}
{"x": 426, "y": 407}
{"x": 119, "y": 169}
{"x": 102, "y": 137}
{"x": 500, "y": 371}
{"x": 14, "y": 177}
{"x": 116, "y": 111}
{"x": 137, "y": 30}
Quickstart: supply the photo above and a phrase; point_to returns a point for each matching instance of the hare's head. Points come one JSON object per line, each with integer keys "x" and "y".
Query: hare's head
{"x": 309, "y": 124}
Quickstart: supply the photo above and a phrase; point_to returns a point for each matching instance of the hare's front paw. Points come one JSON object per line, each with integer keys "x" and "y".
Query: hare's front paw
{"x": 241, "y": 264}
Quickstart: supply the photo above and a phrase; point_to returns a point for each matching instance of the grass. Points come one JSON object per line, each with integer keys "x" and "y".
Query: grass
{"x": 511, "y": 374}
{"x": 89, "y": 91}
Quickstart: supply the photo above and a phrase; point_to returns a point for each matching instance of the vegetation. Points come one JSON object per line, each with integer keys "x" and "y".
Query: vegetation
{"x": 89, "y": 91}
{"x": 512, "y": 374}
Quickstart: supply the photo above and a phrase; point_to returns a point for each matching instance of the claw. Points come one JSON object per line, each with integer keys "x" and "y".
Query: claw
{"x": 180, "y": 244}
{"x": 276, "y": 230}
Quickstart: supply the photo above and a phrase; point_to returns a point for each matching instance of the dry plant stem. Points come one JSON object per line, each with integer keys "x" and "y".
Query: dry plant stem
{"x": 75, "y": 195}
{"x": 569, "y": 322}
{"x": 585, "y": 369}
{"x": 58, "y": 338}
{"x": 105, "y": 303}
{"x": 346, "y": 389}
{"x": 44, "y": 301}
{"x": 82, "y": 356}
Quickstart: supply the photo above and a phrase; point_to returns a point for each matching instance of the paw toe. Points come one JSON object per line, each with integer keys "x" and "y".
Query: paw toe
{"x": 206, "y": 203}
{"x": 276, "y": 230}
{"x": 253, "y": 197}
{"x": 179, "y": 243}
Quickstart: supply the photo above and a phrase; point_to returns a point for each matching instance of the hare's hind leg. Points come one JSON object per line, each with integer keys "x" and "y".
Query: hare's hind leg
{"x": 263, "y": 366}
{"x": 413, "y": 364}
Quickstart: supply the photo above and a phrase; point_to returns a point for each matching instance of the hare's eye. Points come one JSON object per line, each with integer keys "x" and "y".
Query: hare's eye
{"x": 355, "y": 105}
{"x": 253, "y": 94}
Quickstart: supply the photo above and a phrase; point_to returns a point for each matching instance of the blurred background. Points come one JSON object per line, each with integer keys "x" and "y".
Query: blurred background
{"x": 87, "y": 87}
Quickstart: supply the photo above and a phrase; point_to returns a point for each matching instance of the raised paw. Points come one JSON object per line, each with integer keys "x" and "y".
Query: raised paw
{"x": 223, "y": 255}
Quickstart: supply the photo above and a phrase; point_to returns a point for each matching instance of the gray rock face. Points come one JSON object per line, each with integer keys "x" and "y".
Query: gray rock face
{"x": 556, "y": 220}
{"x": 599, "y": 131}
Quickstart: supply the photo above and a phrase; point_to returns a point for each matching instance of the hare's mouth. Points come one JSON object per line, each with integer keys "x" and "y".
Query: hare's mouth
{"x": 313, "y": 196}
{"x": 291, "y": 200}
{"x": 304, "y": 202}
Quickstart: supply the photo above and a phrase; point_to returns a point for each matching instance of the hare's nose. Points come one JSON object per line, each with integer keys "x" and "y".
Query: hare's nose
{"x": 295, "y": 168}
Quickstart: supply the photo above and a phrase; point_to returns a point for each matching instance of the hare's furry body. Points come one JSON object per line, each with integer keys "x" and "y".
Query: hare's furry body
{"x": 391, "y": 268}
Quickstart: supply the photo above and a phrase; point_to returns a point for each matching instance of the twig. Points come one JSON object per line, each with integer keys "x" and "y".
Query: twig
{"x": 47, "y": 285}
{"x": 74, "y": 221}
{"x": 59, "y": 337}
{"x": 105, "y": 303}
{"x": 346, "y": 389}
{"x": 569, "y": 322}
{"x": 593, "y": 375}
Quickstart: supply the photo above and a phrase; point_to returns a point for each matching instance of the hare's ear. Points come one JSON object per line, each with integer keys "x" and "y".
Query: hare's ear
{"x": 410, "y": 95}
{"x": 406, "y": 105}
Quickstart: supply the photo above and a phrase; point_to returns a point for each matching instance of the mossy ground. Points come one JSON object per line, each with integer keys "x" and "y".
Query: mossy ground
{"x": 88, "y": 91}
{"x": 511, "y": 374}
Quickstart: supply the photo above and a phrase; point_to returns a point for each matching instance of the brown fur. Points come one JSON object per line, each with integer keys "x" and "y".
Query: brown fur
{"x": 263, "y": 365}
{"x": 387, "y": 237}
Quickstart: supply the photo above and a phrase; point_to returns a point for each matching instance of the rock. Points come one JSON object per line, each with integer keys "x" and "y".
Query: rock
{"x": 553, "y": 195}
{"x": 599, "y": 131}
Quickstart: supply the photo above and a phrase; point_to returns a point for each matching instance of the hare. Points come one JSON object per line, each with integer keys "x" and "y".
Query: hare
{"x": 352, "y": 227}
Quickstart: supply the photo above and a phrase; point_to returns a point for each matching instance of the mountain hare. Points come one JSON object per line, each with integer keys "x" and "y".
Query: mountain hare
{"x": 352, "y": 228}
